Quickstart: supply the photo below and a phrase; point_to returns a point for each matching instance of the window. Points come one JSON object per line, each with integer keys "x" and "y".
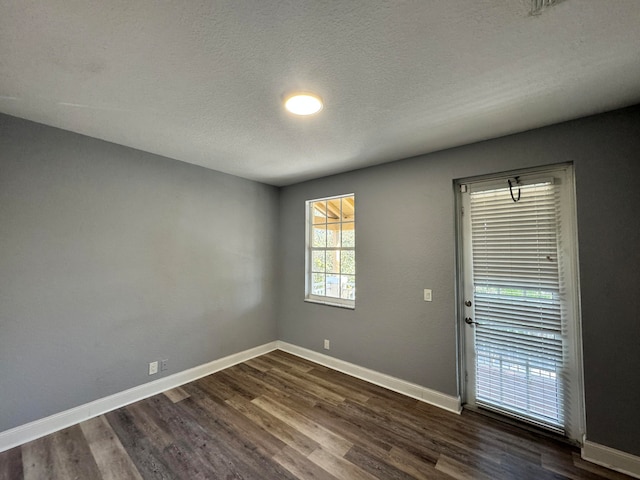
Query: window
{"x": 331, "y": 251}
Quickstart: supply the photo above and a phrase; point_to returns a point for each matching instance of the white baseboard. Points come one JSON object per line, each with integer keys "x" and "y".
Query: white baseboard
{"x": 611, "y": 458}
{"x": 39, "y": 428}
{"x": 413, "y": 390}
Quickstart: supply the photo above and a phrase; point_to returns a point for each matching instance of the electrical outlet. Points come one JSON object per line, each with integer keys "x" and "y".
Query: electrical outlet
{"x": 163, "y": 364}
{"x": 327, "y": 344}
{"x": 153, "y": 368}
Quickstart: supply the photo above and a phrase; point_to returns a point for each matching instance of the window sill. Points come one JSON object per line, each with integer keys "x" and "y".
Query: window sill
{"x": 330, "y": 304}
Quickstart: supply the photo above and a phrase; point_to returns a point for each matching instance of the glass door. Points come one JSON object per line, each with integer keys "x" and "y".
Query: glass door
{"x": 520, "y": 322}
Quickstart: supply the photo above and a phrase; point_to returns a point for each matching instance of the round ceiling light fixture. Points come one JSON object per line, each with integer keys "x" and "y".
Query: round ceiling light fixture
{"x": 303, "y": 103}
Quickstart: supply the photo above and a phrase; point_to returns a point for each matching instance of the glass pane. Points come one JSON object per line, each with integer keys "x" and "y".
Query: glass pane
{"x": 333, "y": 235}
{"x": 348, "y": 287}
{"x": 348, "y": 262}
{"x": 348, "y": 235}
{"x": 317, "y": 261}
{"x": 318, "y": 210}
{"x": 334, "y": 210}
{"x": 333, "y": 286}
{"x": 333, "y": 261}
{"x": 319, "y": 236}
{"x": 348, "y": 209}
{"x": 318, "y": 282}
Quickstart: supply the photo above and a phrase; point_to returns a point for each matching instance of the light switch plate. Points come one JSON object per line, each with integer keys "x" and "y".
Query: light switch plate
{"x": 427, "y": 295}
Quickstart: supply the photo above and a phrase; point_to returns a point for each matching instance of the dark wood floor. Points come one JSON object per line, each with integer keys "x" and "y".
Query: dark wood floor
{"x": 282, "y": 417}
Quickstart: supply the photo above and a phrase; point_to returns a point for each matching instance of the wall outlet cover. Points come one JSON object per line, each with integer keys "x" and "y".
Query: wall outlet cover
{"x": 153, "y": 368}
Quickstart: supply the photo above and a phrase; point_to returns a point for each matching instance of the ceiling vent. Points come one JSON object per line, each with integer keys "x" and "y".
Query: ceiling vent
{"x": 538, "y": 5}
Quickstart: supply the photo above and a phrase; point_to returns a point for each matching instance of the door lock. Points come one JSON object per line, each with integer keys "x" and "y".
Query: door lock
{"x": 467, "y": 303}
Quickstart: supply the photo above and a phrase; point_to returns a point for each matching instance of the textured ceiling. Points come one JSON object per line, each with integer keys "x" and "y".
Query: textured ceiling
{"x": 203, "y": 81}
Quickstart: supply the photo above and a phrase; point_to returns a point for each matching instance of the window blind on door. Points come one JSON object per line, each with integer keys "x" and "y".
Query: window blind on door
{"x": 520, "y": 354}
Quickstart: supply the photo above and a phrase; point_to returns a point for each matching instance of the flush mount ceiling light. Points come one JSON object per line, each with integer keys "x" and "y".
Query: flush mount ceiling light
{"x": 303, "y": 103}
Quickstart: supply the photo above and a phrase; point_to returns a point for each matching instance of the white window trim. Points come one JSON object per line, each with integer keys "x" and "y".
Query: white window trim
{"x": 337, "y": 303}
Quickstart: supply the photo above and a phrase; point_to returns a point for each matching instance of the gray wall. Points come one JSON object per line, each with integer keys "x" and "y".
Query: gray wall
{"x": 405, "y": 234}
{"x": 111, "y": 258}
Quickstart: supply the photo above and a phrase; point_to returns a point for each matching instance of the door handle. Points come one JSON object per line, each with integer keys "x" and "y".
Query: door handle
{"x": 469, "y": 321}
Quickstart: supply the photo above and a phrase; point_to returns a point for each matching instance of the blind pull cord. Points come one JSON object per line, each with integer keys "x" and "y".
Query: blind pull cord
{"x": 517, "y": 179}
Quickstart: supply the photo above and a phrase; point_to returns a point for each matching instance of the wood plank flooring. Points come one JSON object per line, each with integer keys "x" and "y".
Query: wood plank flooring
{"x": 281, "y": 417}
